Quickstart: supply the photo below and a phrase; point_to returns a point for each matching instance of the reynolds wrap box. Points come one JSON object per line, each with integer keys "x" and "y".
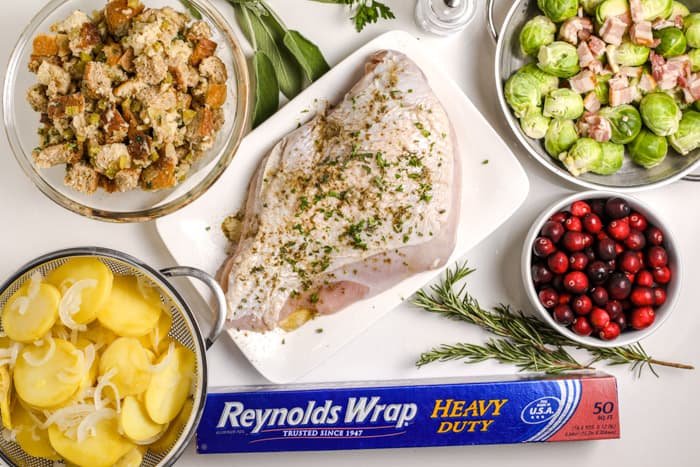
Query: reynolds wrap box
{"x": 432, "y": 412}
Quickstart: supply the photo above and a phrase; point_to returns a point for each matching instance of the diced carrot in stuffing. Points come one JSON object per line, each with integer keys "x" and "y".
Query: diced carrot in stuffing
{"x": 45, "y": 45}
{"x": 66, "y": 106}
{"x": 203, "y": 49}
{"x": 118, "y": 14}
{"x": 216, "y": 95}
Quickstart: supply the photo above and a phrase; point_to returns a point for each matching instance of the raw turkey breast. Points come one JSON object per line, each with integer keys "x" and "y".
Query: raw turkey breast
{"x": 348, "y": 204}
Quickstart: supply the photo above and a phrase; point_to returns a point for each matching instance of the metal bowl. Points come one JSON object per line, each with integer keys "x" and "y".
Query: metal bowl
{"x": 630, "y": 177}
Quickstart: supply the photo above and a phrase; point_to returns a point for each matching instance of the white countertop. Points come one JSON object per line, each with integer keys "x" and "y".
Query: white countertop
{"x": 659, "y": 416}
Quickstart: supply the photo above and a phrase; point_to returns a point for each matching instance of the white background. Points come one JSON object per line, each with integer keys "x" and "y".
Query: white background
{"x": 659, "y": 417}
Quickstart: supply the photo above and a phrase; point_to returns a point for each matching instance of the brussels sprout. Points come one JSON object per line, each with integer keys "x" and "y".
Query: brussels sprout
{"x": 625, "y": 122}
{"x": 691, "y": 27}
{"x": 534, "y": 124}
{"x": 537, "y": 32}
{"x": 672, "y": 43}
{"x": 678, "y": 9}
{"x": 563, "y": 103}
{"x": 545, "y": 82}
{"x": 611, "y": 8}
{"x": 629, "y": 54}
{"x": 602, "y": 90}
{"x": 522, "y": 93}
{"x": 654, "y": 9}
{"x": 648, "y": 149}
{"x": 560, "y": 136}
{"x": 687, "y": 138}
{"x": 559, "y": 59}
{"x": 589, "y": 6}
{"x": 694, "y": 56}
{"x": 613, "y": 156}
{"x": 558, "y": 10}
{"x": 660, "y": 113}
{"x": 585, "y": 154}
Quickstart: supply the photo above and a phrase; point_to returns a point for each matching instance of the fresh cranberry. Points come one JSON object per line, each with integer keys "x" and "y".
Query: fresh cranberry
{"x": 558, "y": 282}
{"x": 645, "y": 278}
{"x": 540, "y": 274}
{"x": 642, "y": 296}
{"x": 578, "y": 261}
{"x": 638, "y": 221}
{"x": 601, "y": 235}
{"x": 629, "y": 262}
{"x": 543, "y": 247}
{"x": 597, "y": 271}
{"x": 558, "y": 262}
{"x": 576, "y": 282}
{"x": 552, "y": 230}
{"x": 642, "y": 317}
{"x": 573, "y": 241}
{"x": 590, "y": 254}
{"x": 549, "y": 298}
{"x": 598, "y": 207}
{"x": 610, "y": 331}
{"x": 662, "y": 275}
{"x": 559, "y": 217}
{"x": 635, "y": 240}
{"x": 599, "y": 296}
{"x": 599, "y": 318}
{"x": 580, "y": 208}
{"x": 563, "y": 315}
{"x": 659, "y": 296}
{"x": 605, "y": 248}
{"x": 564, "y": 298}
{"x": 617, "y": 208}
{"x": 587, "y": 240}
{"x": 657, "y": 257}
{"x": 614, "y": 308}
{"x": 654, "y": 236}
{"x": 612, "y": 265}
{"x": 581, "y": 326}
{"x": 619, "y": 248}
{"x": 630, "y": 276}
{"x": 618, "y": 229}
{"x": 621, "y": 321}
{"x": 573, "y": 224}
{"x": 582, "y": 305}
{"x": 592, "y": 223}
{"x": 619, "y": 286}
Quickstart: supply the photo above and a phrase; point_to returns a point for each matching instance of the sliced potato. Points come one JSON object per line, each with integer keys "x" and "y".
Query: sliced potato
{"x": 131, "y": 360}
{"x": 26, "y": 319}
{"x": 135, "y": 422}
{"x": 132, "y": 458}
{"x": 170, "y": 386}
{"x": 99, "y": 335}
{"x": 101, "y": 450}
{"x": 92, "y": 298}
{"x": 45, "y": 385}
{"x": 5, "y": 397}
{"x": 32, "y": 439}
{"x": 171, "y": 435}
{"x": 130, "y": 311}
{"x": 157, "y": 339}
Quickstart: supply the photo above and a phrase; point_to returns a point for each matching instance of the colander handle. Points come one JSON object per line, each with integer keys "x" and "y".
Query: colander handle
{"x": 692, "y": 178}
{"x": 491, "y": 21}
{"x": 209, "y": 281}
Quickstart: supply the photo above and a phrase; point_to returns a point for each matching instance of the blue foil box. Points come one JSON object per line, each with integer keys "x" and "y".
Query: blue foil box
{"x": 433, "y": 412}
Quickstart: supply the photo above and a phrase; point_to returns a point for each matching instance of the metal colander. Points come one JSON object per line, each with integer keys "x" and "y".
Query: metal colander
{"x": 184, "y": 330}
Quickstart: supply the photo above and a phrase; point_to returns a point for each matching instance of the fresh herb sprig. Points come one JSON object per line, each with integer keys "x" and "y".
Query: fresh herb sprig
{"x": 365, "y": 11}
{"x": 523, "y": 341}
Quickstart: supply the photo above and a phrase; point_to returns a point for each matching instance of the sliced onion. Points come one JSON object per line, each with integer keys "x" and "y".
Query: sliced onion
{"x": 88, "y": 425}
{"x": 22, "y": 303}
{"x": 70, "y": 303}
{"x": 102, "y": 383}
{"x": 47, "y": 356}
{"x": 152, "y": 439}
{"x": 9, "y": 436}
{"x": 76, "y": 373}
{"x": 158, "y": 367}
{"x": 68, "y": 416}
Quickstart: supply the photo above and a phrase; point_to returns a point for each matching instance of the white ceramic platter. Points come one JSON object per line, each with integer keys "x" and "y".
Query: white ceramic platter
{"x": 492, "y": 192}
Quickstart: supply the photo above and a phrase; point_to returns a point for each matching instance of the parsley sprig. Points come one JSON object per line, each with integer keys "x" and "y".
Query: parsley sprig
{"x": 365, "y": 11}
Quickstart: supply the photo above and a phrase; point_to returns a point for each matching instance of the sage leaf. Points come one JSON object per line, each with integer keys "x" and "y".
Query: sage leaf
{"x": 307, "y": 54}
{"x": 267, "y": 91}
{"x": 191, "y": 9}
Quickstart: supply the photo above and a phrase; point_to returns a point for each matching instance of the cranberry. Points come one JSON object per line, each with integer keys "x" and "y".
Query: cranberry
{"x": 573, "y": 241}
{"x": 599, "y": 318}
{"x": 645, "y": 278}
{"x": 587, "y": 240}
{"x": 629, "y": 262}
{"x": 559, "y": 217}
{"x": 657, "y": 257}
{"x": 558, "y": 282}
{"x": 619, "y": 286}
{"x": 654, "y": 236}
{"x": 630, "y": 276}
{"x": 576, "y": 282}
{"x": 590, "y": 254}
{"x": 540, "y": 274}
{"x": 549, "y": 298}
{"x": 601, "y": 235}
{"x": 578, "y": 261}
{"x": 558, "y": 262}
{"x": 621, "y": 321}
{"x": 636, "y": 240}
{"x": 582, "y": 305}
{"x": 642, "y": 317}
{"x": 617, "y": 208}
{"x": 612, "y": 264}
{"x": 619, "y": 248}
{"x": 642, "y": 296}
{"x": 580, "y": 208}
{"x": 573, "y": 224}
{"x": 618, "y": 229}
{"x": 662, "y": 275}
{"x": 610, "y": 331}
{"x": 543, "y": 247}
{"x": 638, "y": 221}
{"x": 605, "y": 248}
{"x": 597, "y": 271}
{"x": 581, "y": 326}
{"x": 598, "y": 207}
{"x": 599, "y": 296}
{"x": 592, "y": 223}
{"x": 552, "y": 230}
{"x": 659, "y": 296}
{"x": 564, "y": 298}
{"x": 614, "y": 309}
{"x": 563, "y": 315}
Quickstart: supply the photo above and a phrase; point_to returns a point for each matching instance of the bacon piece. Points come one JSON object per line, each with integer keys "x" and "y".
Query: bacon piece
{"x": 584, "y": 34}
{"x": 679, "y": 21}
{"x": 636, "y": 10}
{"x": 585, "y": 56}
{"x": 597, "y": 46}
{"x": 591, "y": 102}
{"x": 620, "y": 91}
{"x": 691, "y": 88}
{"x": 661, "y": 23}
{"x": 657, "y": 65}
{"x": 583, "y": 82}
{"x": 642, "y": 34}
{"x": 595, "y": 126}
{"x": 612, "y": 30}
{"x": 631, "y": 71}
{"x": 625, "y": 18}
{"x": 569, "y": 31}
{"x": 647, "y": 83}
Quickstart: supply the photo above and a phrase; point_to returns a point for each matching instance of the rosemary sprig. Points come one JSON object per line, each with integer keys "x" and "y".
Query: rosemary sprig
{"x": 524, "y": 341}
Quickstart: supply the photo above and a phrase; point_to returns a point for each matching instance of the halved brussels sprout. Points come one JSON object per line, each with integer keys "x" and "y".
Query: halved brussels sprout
{"x": 678, "y": 9}
{"x": 534, "y": 124}
{"x": 625, "y": 122}
{"x": 613, "y": 157}
{"x": 629, "y": 54}
{"x": 602, "y": 90}
{"x": 563, "y": 103}
{"x": 648, "y": 149}
{"x": 522, "y": 93}
{"x": 610, "y": 8}
{"x": 537, "y": 32}
{"x": 589, "y": 6}
{"x": 559, "y": 59}
{"x": 673, "y": 42}
{"x": 691, "y": 27}
{"x": 560, "y": 136}
{"x": 687, "y": 138}
{"x": 558, "y": 10}
{"x": 654, "y": 9}
{"x": 660, "y": 113}
{"x": 545, "y": 82}
{"x": 694, "y": 56}
{"x": 585, "y": 154}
